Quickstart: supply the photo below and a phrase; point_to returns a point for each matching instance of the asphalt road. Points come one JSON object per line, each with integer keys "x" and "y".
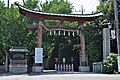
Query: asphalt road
{"x": 60, "y": 76}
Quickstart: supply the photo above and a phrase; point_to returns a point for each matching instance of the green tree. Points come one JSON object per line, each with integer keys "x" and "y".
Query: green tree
{"x": 31, "y": 4}
{"x": 57, "y": 6}
{"x": 110, "y": 64}
{"x": 13, "y": 29}
{"x": 107, "y": 8}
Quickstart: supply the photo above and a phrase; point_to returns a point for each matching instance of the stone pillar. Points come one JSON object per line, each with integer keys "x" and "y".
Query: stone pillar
{"x": 106, "y": 42}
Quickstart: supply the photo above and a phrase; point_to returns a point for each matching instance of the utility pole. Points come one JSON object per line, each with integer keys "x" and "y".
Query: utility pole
{"x": 117, "y": 32}
{"x": 82, "y": 10}
{"x": 8, "y": 3}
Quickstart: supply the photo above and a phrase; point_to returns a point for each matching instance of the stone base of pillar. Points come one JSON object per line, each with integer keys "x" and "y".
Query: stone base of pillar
{"x": 37, "y": 69}
{"x": 84, "y": 68}
{"x": 17, "y": 69}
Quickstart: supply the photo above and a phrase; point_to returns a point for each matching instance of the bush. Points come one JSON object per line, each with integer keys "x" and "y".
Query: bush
{"x": 110, "y": 64}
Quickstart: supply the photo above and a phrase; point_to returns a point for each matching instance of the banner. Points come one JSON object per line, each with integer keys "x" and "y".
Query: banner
{"x": 118, "y": 63}
{"x": 113, "y": 34}
{"x": 38, "y": 55}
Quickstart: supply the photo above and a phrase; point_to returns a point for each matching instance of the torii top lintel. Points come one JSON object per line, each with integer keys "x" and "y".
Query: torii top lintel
{"x": 55, "y": 16}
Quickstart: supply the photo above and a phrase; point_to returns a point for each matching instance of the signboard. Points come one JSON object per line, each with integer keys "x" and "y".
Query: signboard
{"x": 113, "y": 34}
{"x": 118, "y": 63}
{"x": 38, "y": 55}
{"x": 63, "y": 60}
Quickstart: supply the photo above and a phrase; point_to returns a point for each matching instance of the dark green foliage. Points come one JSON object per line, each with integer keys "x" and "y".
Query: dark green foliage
{"x": 13, "y": 30}
{"x": 107, "y": 8}
{"x": 63, "y": 47}
{"x": 31, "y": 4}
{"x": 110, "y": 64}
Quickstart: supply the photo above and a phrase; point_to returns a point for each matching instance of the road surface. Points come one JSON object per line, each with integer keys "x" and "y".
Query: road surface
{"x": 60, "y": 76}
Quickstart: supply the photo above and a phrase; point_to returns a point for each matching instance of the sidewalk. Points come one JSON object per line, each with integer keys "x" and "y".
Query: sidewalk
{"x": 53, "y": 75}
{"x": 48, "y": 72}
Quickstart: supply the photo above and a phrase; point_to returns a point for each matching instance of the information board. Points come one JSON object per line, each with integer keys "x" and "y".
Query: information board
{"x": 38, "y": 55}
{"x": 63, "y": 60}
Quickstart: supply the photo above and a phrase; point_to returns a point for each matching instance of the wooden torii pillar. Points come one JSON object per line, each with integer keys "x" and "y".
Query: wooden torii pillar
{"x": 82, "y": 44}
{"x": 39, "y": 43}
{"x": 38, "y": 67}
{"x": 83, "y": 57}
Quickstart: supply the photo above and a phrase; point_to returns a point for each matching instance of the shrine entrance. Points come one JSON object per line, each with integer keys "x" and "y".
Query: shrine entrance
{"x": 41, "y": 16}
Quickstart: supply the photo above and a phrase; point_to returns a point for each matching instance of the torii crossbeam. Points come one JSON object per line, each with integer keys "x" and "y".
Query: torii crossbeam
{"x": 61, "y": 17}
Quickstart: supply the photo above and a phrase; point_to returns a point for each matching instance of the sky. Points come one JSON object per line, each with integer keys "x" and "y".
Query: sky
{"x": 88, "y": 5}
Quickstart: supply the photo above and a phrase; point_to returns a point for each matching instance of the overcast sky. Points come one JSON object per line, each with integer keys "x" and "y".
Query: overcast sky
{"x": 88, "y": 5}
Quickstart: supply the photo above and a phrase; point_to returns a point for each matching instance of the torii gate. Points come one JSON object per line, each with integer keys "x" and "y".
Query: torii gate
{"x": 81, "y": 19}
